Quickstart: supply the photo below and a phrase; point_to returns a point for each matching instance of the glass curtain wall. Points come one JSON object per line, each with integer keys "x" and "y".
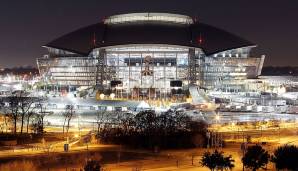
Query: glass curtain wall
{"x": 147, "y": 67}
{"x": 75, "y": 71}
{"x": 228, "y": 74}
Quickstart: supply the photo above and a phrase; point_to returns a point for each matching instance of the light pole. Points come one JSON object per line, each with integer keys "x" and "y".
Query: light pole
{"x": 217, "y": 119}
{"x": 79, "y": 125}
{"x": 208, "y": 139}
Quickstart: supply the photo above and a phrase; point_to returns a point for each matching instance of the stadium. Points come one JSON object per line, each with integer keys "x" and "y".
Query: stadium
{"x": 150, "y": 56}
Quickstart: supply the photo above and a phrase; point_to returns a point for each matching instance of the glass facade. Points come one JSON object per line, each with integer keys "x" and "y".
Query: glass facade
{"x": 228, "y": 74}
{"x": 227, "y": 70}
{"x": 74, "y": 71}
{"x": 150, "y": 68}
{"x": 147, "y": 66}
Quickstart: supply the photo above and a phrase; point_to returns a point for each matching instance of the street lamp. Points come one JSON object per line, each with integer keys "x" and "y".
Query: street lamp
{"x": 208, "y": 138}
{"x": 217, "y": 118}
{"x": 233, "y": 124}
{"x": 112, "y": 95}
{"x": 101, "y": 96}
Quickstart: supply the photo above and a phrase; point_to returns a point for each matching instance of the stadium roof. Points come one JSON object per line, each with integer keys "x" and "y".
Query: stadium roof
{"x": 126, "y": 31}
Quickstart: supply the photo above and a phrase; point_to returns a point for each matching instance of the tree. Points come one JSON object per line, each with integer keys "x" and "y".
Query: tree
{"x": 198, "y": 126}
{"x": 227, "y": 163}
{"x": 182, "y": 120}
{"x": 146, "y": 121}
{"x": 255, "y": 157}
{"x": 38, "y": 122}
{"x": 6, "y": 120}
{"x": 101, "y": 118}
{"x": 217, "y": 160}
{"x": 127, "y": 123}
{"x": 167, "y": 122}
{"x": 28, "y": 117}
{"x": 40, "y": 114}
{"x": 37, "y": 125}
{"x": 5, "y": 116}
{"x": 35, "y": 110}
{"x": 146, "y": 126}
{"x": 150, "y": 130}
{"x": 26, "y": 102}
{"x": 11, "y": 109}
{"x": 24, "y": 108}
{"x": 68, "y": 115}
{"x": 286, "y": 157}
{"x": 17, "y": 106}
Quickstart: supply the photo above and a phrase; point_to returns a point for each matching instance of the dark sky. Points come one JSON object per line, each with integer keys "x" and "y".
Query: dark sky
{"x": 25, "y": 25}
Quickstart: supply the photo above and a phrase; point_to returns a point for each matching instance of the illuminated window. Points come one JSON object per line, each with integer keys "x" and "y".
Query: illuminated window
{"x": 137, "y": 17}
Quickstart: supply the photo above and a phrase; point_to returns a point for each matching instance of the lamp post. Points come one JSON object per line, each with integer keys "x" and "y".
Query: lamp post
{"x": 208, "y": 139}
{"x": 79, "y": 125}
{"x": 112, "y": 96}
{"x": 101, "y": 96}
{"x": 217, "y": 119}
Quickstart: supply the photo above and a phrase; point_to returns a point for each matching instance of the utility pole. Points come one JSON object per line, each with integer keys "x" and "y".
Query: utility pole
{"x": 208, "y": 139}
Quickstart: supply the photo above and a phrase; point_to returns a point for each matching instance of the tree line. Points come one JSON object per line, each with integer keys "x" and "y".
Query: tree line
{"x": 21, "y": 110}
{"x": 147, "y": 129}
{"x": 255, "y": 158}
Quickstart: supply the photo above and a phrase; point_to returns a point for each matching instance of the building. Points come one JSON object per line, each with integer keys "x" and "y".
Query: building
{"x": 150, "y": 56}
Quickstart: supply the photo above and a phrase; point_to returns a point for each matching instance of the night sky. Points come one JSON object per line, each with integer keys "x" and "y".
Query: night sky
{"x": 26, "y": 25}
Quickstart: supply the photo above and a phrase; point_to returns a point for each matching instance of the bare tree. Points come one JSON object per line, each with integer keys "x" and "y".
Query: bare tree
{"x": 26, "y": 105}
{"x": 11, "y": 109}
{"x": 127, "y": 123}
{"x": 36, "y": 107}
{"x": 5, "y": 117}
{"x": 68, "y": 115}
{"x": 101, "y": 118}
{"x": 19, "y": 106}
{"x": 28, "y": 117}
{"x": 40, "y": 113}
{"x": 7, "y": 120}
{"x": 37, "y": 125}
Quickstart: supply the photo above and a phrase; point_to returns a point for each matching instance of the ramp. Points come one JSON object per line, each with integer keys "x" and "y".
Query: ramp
{"x": 198, "y": 96}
